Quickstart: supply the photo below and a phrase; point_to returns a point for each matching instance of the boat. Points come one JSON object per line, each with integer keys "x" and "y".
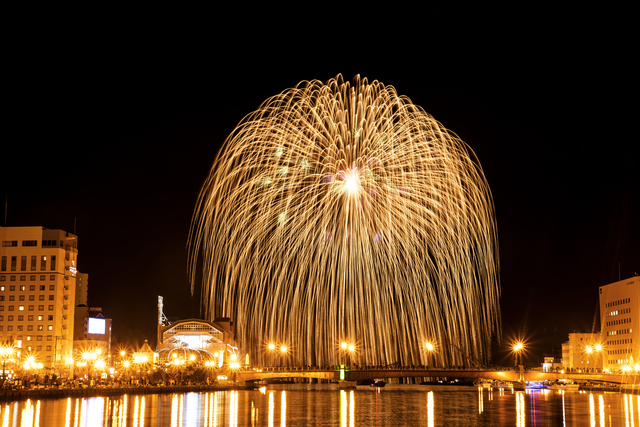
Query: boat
{"x": 564, "y": 386}
{"x": 378, "y": 383}
{"x": 535, "y": 385}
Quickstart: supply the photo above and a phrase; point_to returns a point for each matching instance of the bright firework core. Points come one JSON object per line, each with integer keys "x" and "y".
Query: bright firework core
{"x": 351, "y": 182}
{"x": 340, "y": 212}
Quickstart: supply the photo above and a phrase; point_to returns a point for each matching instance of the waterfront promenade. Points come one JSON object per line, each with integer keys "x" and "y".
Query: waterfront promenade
{"x": 9, "y": 394}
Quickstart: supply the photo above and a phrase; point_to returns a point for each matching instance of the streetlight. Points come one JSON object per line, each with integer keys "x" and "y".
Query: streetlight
{"x": 517, "y": 349}
{"x": 70, "y": 362}
{"x": 429, "y": 347}
{"x": 5, "y": 353}
{"x": 343, "y": 347}
{"x": 140, "y": 359}
{"x": 283, "y": 351}
{"x": 590, "y": 349}
{"x": 271, "y": 348}
{"x": 209, "y": 364}
{"x": 351, "y": 349}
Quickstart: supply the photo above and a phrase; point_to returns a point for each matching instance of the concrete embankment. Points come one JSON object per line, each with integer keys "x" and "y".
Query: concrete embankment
{"x": 58, "y": 393}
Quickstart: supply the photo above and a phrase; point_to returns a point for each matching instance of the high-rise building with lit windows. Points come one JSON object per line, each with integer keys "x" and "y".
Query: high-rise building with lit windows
{"x": 619, "y": 309}
{"x": 38, "y": 269}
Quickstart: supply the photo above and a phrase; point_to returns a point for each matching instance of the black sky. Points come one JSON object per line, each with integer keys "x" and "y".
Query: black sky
{"x": 114, "y": 123}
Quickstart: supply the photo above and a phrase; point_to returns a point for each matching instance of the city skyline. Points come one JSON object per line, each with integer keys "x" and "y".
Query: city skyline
{"x": 120, "y": 152}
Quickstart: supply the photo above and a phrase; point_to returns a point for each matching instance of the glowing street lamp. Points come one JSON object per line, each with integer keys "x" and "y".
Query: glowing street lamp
{"x": 140, "y": 359}
{"x": 351, "y": 349}
{"x": 6, "y": 352}
{"x": 343, "y": 348}
{"x": 517, "y": 349}
{"x": 430, "y": 348}
{"x": 283, "y": 352}
{"x": 591, "y": 349}
{"x": 271, "y": 348}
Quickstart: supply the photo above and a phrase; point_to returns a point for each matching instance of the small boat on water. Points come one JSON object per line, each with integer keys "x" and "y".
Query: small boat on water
{"x": 535, "y": 385}
{"x": 559, "y": 385}
{"x": 378, "y": 383}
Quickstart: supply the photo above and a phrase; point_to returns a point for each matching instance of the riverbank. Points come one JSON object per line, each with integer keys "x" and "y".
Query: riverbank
{"x": 8, "y": 395}
{"x": 77, "y": 392}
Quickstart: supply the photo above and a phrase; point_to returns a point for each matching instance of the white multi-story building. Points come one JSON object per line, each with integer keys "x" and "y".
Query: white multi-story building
{"x": 38, "y": 269}
{"x": 619, "y": 305}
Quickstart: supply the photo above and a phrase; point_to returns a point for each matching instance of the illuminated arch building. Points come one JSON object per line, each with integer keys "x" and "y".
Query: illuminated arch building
{"x": 194, "y": 339}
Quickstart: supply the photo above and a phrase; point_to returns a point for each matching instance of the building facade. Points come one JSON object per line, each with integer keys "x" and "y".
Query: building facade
{"x": 579, "y": 353}
{"x": 38, "y": 270}
{"x": 197, "y": 339}
{"x": 619, "y": 305}
{"x": 91, "y": 331}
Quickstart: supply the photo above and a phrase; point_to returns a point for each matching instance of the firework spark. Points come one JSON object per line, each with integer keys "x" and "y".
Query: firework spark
{"x": 341, "y": 212}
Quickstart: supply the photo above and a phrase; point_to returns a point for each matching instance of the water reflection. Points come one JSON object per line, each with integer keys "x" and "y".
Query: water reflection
{"x": 346, "y": 408}
{"x": 520, "y": 410}
{"x": 271, "y": 408}
{"x": 430, "y": 417}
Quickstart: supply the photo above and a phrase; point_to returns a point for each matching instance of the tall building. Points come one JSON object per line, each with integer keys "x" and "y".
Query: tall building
{"x": 38, "y": 270}
{"x": 619, "y": 305}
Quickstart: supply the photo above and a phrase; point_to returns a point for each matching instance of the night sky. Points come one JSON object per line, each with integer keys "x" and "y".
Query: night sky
{"x": 114, "y": 125}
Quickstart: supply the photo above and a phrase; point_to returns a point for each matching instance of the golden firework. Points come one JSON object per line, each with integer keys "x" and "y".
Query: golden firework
{"x": 340, "y": 211}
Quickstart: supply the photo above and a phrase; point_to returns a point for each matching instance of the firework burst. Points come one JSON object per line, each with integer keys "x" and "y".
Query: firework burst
{"x": 341, "y": 212}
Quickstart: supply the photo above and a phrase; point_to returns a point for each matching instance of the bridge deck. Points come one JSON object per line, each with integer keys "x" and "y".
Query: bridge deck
{"x": 501, "y": 375}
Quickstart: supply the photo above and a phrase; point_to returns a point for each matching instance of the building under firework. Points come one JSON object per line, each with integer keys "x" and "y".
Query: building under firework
{"x": 37, "y": 292}
{"x": 619, "y": 302}
{"x": 194, "y": 339}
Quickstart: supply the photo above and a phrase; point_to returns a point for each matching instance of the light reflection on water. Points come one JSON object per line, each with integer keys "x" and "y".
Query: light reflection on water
{"x": 324, "y": 404}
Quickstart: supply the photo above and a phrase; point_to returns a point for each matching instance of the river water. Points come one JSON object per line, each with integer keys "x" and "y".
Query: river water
{"x": 325, "y": 405}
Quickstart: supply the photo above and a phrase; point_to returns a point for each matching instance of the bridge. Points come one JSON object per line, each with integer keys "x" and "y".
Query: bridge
{"x": 350, "y": 374}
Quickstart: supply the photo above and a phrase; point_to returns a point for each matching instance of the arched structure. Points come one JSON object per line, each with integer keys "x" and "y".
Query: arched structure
{"x": 195, "y": 340}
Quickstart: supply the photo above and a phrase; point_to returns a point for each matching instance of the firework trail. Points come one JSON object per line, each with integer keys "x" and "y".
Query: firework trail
{"x": 340, "y": 211}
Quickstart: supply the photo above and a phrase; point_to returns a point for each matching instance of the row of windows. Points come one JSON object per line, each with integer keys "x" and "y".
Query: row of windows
{"x": 24, "y": 278}
{"x": 620, "y": 342}
{"x": 23, "y": 263}
{"x": 19, "y": 338}
{"x": 31, "y": 297}
{"x": 620, "y": 351}
{"x": 45, "y": 243}
{"x": 21, "y": 308}
{"x": 30, "y": 318}
{"x": 39, "y": 348}
{"x": 617, "y": 312}
{"x": 619, "y": 322}
{"x": 20, "y": 328}
{"x": 618, "y": 332}
{"x": 31, "y": 288}
{"x": 618, "y": 302}
{"x": 617, "y": 361}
